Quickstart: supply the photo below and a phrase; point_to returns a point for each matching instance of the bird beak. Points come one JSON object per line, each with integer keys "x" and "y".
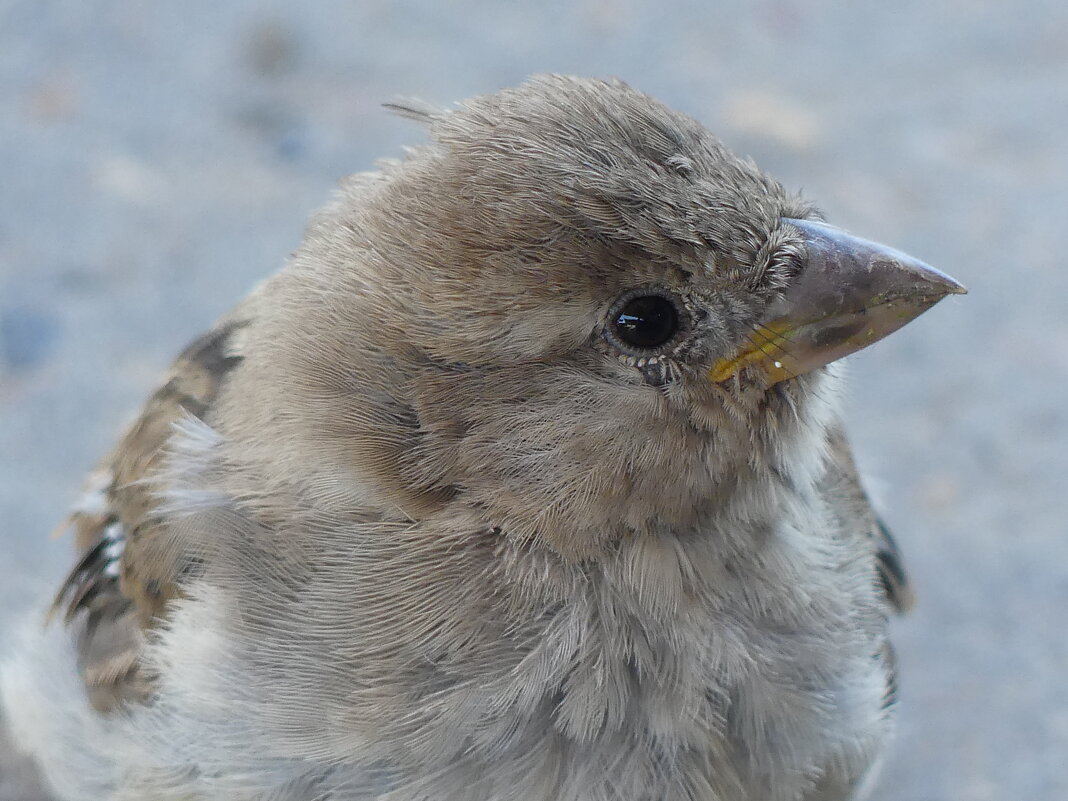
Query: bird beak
{"x": 849, "y": 294}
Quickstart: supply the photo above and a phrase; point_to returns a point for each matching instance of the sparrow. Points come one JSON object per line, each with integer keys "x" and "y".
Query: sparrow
{"x": 524, "y": 480}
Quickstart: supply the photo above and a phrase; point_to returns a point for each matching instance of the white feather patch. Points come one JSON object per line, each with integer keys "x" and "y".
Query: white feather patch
{"x": 93, "y": 501}
{"x": 191, "y": 454}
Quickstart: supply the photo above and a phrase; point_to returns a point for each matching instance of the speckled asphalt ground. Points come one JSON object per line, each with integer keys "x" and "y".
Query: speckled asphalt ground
{"x": 156, "y": 159}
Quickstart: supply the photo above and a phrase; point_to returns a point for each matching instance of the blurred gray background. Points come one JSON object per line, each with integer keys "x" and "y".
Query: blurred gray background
{"x": 156, "y": 159}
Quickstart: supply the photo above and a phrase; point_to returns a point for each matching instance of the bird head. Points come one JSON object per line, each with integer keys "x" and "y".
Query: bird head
{"x": 576, "y": 312}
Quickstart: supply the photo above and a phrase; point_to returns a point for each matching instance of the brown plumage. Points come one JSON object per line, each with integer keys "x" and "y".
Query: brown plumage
{"x": 523, "y": 480}
{"x": 128, "y": 572}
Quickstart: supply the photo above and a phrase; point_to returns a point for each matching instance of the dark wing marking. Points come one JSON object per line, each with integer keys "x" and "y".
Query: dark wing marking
{"x": 888, "y": 657}
{"x": 891, "y": 569}
{"x": 854, "y": 510}
{"x": 855, "y": 513}
{"x": 129, "y": 568}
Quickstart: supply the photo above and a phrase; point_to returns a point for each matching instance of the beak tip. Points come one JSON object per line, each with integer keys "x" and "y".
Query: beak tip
{"x": 947, "y": 285}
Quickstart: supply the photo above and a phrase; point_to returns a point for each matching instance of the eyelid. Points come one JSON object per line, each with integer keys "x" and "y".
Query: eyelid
{"x": 681, "y": 311}
{"x": 642, "y": 291}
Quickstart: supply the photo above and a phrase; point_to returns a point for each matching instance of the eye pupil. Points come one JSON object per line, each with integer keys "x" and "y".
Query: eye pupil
{"x": 647, "y": 321}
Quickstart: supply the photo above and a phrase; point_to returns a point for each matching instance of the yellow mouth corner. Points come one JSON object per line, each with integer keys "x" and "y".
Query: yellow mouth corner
{"x": 766, "y": 347}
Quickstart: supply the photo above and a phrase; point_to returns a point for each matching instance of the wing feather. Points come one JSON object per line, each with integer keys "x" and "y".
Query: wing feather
{"x": 128, "y": 569}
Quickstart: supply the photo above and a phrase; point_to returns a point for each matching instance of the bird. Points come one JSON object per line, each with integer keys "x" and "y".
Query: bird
{"x": 525, "y": 478}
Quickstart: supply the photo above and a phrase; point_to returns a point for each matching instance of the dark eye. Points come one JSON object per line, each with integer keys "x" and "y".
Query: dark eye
{"x": 646, "y": 321}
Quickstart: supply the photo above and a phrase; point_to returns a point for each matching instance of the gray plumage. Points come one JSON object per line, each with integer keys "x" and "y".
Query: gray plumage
{"x": 413, "y": 523}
